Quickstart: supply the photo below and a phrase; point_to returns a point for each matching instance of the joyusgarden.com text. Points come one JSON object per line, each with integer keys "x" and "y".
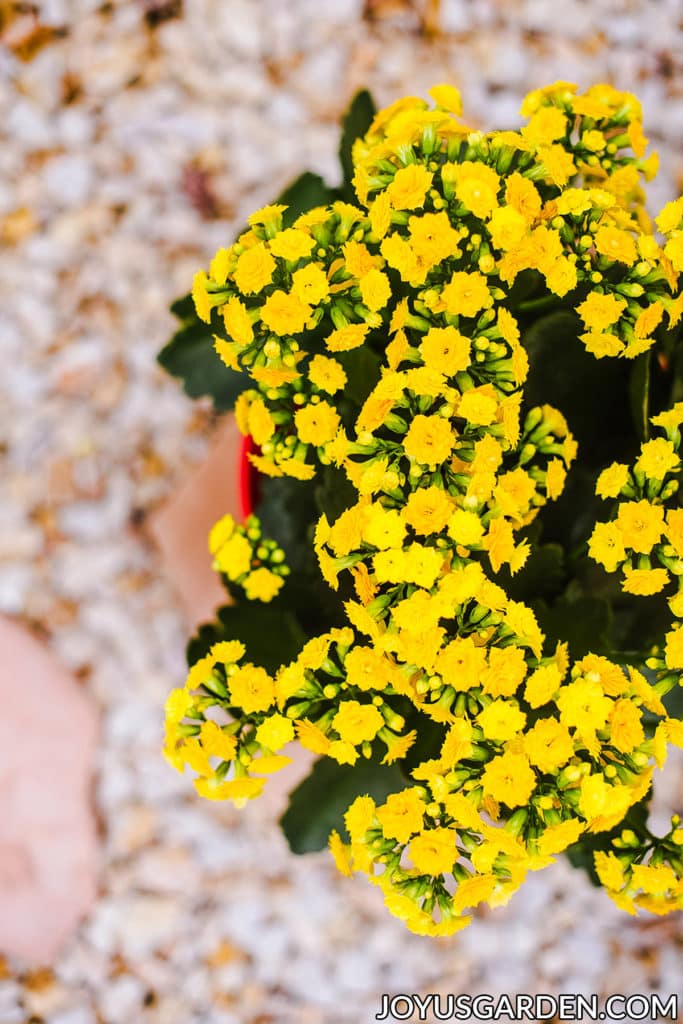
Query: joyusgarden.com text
{"x": 568, "y": 1006}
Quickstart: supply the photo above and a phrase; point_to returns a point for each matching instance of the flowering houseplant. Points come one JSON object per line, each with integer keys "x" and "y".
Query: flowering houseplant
{"x": 462, "y": 584}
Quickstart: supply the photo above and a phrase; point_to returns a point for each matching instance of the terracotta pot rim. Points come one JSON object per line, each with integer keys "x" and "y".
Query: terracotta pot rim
{"x": 248, "y": 477}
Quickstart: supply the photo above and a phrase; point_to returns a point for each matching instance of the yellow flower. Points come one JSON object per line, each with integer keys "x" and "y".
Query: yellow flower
{"x": 505, "y": 672}
{"x": 368, "y": 669}
{"x": 410, "y": 185}
{"x": 259, "y": 421}
{"x": 674, "y": 529}
{"x": 522, "y": 195}
{"x": 514, "y": 492}
{"x": 234, "y": 557}
{"x": 422, "y": 565}
{"x": 356, "y": 722}
{"x": 217, "y": 743}
{"x": 433, "y": 238}
{"x": 501, "y": 721}
{"x": 555, "y": 477}
{"x": 499, "y": 542}
{"x": 375, "y": 289}
{"x": 292, "y": 244}
{"x": 311, "y": 737}
{"x": 359, "y": 817}
{"x": 237, "y": 322}
{"x": 262, "y": 585}
{"x": 236, "y": 790}
{"x": 477, "y": 187}
{"x": 466, "y": 293}
{"x": 220, "y": 266}
{"x": 601, "y": 344}
{"x": 326, "y": 374}
{"x": 655, "y": 879}
{"x": 344, "y": 338}
{"x": 606, "y": 545}
{"x": 657, "y": 458}
{"x": 178, "y": 703}
{"x": 674, "y": 250}
{"x": 557, "y": 838}
{"x": 316, "y": 424}
{"x": 507, "y": 227}
{"x": 383, "y": 528}
{"x": 670, "y": 217}
{"x": 428, "y": 509}
{"x": 461, "y": 663}
{"x": 479, "y": 406}
{"x": 583, "y": 705}
{"x": 648, "y": 320}
{"x": 542, "y": 685}
{"x": 275, "y": 732}
{"x": 269, "y": 216}
{"x": 641, "y": 525}
{"x": 466, "y": 528}
{"x": 644, "y": 582}
{"x": 429, "y": 440}
{"x": 599, "y": 311}
{"x": 251, "y": 688}
{"x": 254, "y": 269}
{"x": 609, "y": 870}
{"x": 447, "y": 97}
{"x": 618, "y": 245}
{"x": 434, "y": 852}
{"x": 558, "y": 163}
{"x": 402, "y": 815}
{"x": 561, "y": 276}
{"x": 548, "y": 745}
{"x": 379, "y": 215}
{"x": 200, "y": 296}
{"x": 310, "y": 284}
{"x": 547, "y": 125}
{"x": 673, "y": 651}
{"x": 626, "y": 728}
{"x": 445, "y": 349}
{"x": 220, "y": 532}
{"x": 284, "y": 314}
{"x": 509, "y": 779}
{"x": 358, "y": 258}
{"x": 612, "y": 480}
{"x": 399, "y": 255}
{"x": 340, "y": 853}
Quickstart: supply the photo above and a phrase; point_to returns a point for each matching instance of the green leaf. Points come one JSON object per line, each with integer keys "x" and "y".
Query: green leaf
{"x": 271, "y": 636}
{"x": 581, "y": 854}
{"x": 542, "y": 575}
{"x": 190, "y": 355}
{"x": 357, "y": 120}
{"x": 335, "y": 492}
{"x": 592, "y": 393}
{"x": 184, "y": 309}
{"x": 362, "y": 368}
{"x": 583, "y": 622}
{"x": 306, "y": 192}
{"x": 639, "y": 394}
{"x": 318, "y": 804}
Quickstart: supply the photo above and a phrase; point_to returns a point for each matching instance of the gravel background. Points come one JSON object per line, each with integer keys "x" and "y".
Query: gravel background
{"x": 134, "y": 141}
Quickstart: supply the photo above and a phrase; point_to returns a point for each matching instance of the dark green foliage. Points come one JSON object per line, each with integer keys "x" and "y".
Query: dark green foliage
{"x": 318, "y": 804}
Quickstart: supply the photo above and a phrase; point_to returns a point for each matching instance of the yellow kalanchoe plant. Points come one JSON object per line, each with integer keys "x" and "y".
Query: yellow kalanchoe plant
{"x": 514, "y": 742}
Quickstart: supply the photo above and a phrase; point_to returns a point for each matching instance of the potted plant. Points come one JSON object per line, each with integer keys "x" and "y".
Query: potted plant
{"x": 458, "y": 578}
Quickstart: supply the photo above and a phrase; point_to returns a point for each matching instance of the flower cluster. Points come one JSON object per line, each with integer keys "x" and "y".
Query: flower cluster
{"x": 252, "y": 564}
{"x": 449, "y": 467}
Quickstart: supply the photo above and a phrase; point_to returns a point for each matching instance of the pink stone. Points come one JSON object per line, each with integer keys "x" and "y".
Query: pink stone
{"x": 48, "y": 839}
{"x": 181, "y": 527}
